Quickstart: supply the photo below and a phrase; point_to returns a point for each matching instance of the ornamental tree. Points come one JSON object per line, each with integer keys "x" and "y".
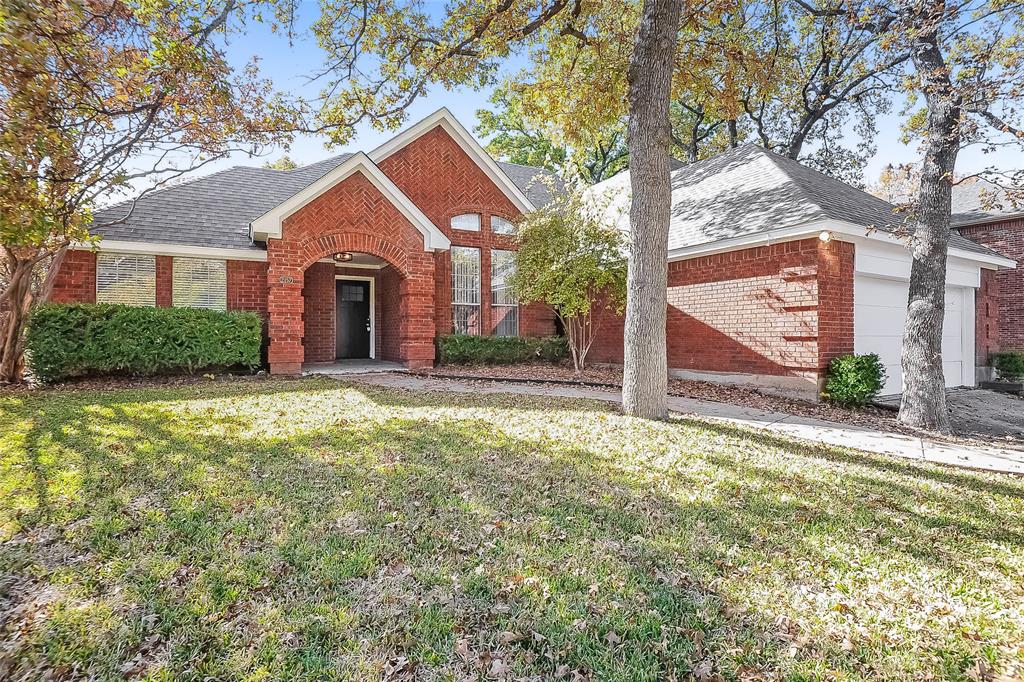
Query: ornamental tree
{"x": 571, "y": 258}
{"x": 95, "y": 96}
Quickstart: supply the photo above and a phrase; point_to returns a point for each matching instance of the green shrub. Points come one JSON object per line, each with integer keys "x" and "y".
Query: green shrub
{"x": 466, "y": 349}
{"x": 92, "y": 339}
{"x": 1009, "y": 365}
{"x": 854, "y": 380}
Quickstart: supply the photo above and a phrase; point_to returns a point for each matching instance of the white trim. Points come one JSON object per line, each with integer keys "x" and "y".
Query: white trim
{"x": 184, "y": 250}
{"x": 851, "y": 231}
{"x": 444, "y": 118}
{"x": 373, "y": 310}
{"x": 268, "y": 225}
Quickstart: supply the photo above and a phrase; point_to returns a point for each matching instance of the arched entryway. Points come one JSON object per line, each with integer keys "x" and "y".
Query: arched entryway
{"x": 349, "y": 295}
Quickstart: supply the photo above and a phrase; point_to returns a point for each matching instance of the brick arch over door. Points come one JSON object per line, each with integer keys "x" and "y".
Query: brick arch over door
{"x": 351, "y": 216}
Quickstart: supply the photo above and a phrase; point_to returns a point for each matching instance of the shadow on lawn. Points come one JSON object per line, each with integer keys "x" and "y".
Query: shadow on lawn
{"x": 249, "y": 548}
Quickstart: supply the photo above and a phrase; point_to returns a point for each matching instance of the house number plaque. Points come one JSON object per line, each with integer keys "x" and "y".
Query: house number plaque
{"x": 286, "y": 279}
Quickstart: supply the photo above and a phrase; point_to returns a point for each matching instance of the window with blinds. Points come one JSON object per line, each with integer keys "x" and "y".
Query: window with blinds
{"x": 502, "y": 226}
{"x": 465, "y": 290}
{"x": 504, "y": 306}
{"x": 126, "y": 279}
{"x": 200, "y": 283}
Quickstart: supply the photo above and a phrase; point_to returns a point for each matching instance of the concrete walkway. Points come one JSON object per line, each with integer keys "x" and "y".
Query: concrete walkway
{"x": 807, "y": 428}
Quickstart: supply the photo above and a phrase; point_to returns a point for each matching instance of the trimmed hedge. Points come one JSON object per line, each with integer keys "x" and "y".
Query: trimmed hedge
{"x": 68, "y": 340}
{"x": 1009, "y": 365}
{"x": 854, "y": 380}
{"x": 467, "y": 349}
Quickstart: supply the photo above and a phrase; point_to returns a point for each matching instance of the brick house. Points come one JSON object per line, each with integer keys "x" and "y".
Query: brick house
{"x": 773, "y": 269}
{"x": 984, "y": 214}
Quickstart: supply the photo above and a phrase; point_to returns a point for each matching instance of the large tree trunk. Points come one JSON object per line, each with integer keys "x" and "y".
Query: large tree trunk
{"x": 924, "y": 389}
{"x": 18, "y": 300}
{"x": 645, "y": 375}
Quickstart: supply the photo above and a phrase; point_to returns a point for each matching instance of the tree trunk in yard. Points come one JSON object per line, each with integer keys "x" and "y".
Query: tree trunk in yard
{"x": 924, "y": 389}
{"x": 645, "y": 372}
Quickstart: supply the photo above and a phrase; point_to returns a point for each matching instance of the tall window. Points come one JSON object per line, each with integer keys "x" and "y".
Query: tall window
{"x": 502, "y": 226}
{"x": 469, "y": 222}
{"x": 504, "y": 306}
{"x": 465, "y": 290}
{"x": 200, "y": 283}
{"x": 127, "y": 279}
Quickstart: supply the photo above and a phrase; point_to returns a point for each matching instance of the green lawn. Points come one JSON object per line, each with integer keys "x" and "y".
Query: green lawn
{"x": 316, "y": 530}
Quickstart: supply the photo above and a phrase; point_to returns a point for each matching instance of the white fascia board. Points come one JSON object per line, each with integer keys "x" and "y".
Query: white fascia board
{"x": 444, "y": 118}
{"x": 179, "y": 250}
{"x": 268, "y": 225}
{"x": 840, "y": 229}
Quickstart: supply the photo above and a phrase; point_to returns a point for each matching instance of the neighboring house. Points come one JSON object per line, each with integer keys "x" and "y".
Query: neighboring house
{"x": 775, "y": 269}
{"x": 772, "y": 272}
{"x": 361, "y": 255}
{"x": 985, "y": 214}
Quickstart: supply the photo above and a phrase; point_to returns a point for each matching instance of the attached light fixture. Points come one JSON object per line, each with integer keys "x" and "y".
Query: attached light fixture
{"x": 825, "y": 236}
{"x": 342, "y": 257}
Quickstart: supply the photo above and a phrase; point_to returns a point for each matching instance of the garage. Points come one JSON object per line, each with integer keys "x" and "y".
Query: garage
{"x": 880, "y": 313}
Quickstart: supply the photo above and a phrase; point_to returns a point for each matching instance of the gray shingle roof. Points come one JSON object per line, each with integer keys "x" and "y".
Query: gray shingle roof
{"x": 215, "y": 210}
{"x": 749, "y": 190}
{"x": 980, "y": 201}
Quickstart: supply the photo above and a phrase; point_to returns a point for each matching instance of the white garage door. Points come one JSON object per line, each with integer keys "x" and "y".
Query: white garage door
{"x": 880, "y": 313}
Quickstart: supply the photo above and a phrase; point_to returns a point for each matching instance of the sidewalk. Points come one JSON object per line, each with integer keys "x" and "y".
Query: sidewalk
{"x": 990, "y": 458}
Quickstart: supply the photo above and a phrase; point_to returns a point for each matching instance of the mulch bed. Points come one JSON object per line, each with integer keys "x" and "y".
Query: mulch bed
{"x": 874, "y": 417}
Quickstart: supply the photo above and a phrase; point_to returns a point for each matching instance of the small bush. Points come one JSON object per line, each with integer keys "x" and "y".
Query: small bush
{"x": 466, "y": 349}
{"x": 92, "y": 339}
{"x": 1009, "y": 365}
{"x": 854, "y": 380}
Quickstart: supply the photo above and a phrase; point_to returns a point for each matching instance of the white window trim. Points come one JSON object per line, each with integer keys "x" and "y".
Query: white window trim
{"x": 174, "y": 278}
{"x": 503, "y": 234}
{"x": 115, "y": 254}
{"x": 479, "y": 288}
{"x": 479, "y": 222}
{"x": 494, "y": 305}
{"x": 373, "y": 309}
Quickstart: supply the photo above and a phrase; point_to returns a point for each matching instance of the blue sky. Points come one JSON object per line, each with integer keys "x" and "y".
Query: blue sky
{"x": 289, "y": 66}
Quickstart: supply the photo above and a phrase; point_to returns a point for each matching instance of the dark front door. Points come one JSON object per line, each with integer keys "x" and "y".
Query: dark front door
{"x": 353, "y": 301}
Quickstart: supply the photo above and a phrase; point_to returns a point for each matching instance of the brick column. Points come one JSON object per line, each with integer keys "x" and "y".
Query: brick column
{"x": 164, "y": 281}
{"x": 284, "y": 308}
{"x": 418, "y": 330}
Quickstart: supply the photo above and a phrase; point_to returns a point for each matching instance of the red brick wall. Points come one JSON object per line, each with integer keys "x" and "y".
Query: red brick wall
{"x": 783, "y": 309}
{"x": 164, "y": 281}
{"x": 987, "y": 313}
{"x": 319, "y": 313}
{"x": 76, "y": 280}
{"x": 389, "y": 324}
{"x": 1007, "y": 238}
{"x": 443, "y": 181}
{"x": 247, "y": 286}
{"x": 835, "y": 301}
{"x": 351, "y": 216}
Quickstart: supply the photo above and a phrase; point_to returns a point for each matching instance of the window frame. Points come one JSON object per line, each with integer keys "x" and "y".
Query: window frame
{"x": 479, "y": 222}
{"x": 207, "y": 301}
{"x": 504, "y": 293}
{"x": 146, "y": 286}
{"x": 511, "y": 226}
{"x": 469, "y": 285}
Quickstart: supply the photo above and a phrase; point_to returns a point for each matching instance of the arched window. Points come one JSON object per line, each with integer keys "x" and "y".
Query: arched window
{"x": 502, "y": 226}
{"x": 470, "y": 222}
